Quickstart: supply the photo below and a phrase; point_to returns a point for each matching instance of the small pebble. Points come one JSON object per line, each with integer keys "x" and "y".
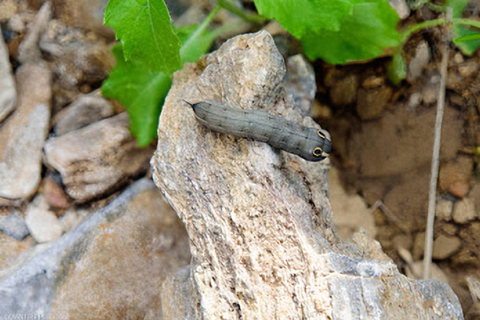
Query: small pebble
{"x": 464, "y": 211}
{"x": 444, "y": 247}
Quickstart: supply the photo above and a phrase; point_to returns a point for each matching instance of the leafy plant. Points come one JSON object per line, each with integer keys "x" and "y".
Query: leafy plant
{"x": 338, "y": 31}
{"x": 151, "y": 50}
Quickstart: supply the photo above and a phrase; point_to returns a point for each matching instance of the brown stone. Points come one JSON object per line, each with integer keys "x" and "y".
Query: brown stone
{"x": 373, "y": 82}
{"x": 458, "y": 171}
{"x": 444, "y": 247}
{"x": 450, "y": 229}
{"x": 344, "y": 91}
{"x": 459, "y": 188}
{"x": 372, "y": 103}
{"x": 54, "y": 193}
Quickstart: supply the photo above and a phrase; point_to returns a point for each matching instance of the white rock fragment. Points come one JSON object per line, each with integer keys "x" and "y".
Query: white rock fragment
{"x": 22, "y": 135}
{"x": 42, "y": 223}
{"x": 8, "y": 93}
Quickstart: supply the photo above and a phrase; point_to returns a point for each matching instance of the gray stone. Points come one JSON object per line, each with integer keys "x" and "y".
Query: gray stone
{"x": 41, "y": 222}
{"x": 97, "y": 159}
{"x": 86, "y": 110}
{"x": 300, "y": 82}
{"x": 110, "y": 267}
{"x": 259, "y": 219}
{"x": 8, "y": 92}
{"x": 464, "y": 211}
{"x": 13, "y": 225}
{"x": 22, "y": 135}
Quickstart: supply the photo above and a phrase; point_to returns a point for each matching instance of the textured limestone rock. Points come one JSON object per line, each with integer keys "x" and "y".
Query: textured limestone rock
{"x": 110, "y": 267}
{"x": 84, "y": 111}
{"x": 259, "y": 220}
{"x": 22, "y": 135}
{"x": 8, "y": 92}
{"x": 98, "y": 158}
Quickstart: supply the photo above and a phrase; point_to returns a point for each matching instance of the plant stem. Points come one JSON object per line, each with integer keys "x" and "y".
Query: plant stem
{"x": 432, "y": 197}
{"x": 467, "y": 22}
{"x": 250, "y": 17}
{"x": 407, "y": 33}
{"x": 205, "y": 23}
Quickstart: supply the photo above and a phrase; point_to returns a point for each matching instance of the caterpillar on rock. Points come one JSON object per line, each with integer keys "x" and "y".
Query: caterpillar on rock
{"x": 308, "y": 143}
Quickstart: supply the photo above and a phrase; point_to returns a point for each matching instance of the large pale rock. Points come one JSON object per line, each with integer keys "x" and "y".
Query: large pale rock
{"x": 98, "y": 158}
{"x": 22, "y": 135}
{"x": 110, "y": 267}
{"x": 259, "y": 220}
{"x": 8, "y": 92}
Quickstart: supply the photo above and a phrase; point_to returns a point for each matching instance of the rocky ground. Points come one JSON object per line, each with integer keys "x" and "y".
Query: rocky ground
{"x": 76, "y": 193}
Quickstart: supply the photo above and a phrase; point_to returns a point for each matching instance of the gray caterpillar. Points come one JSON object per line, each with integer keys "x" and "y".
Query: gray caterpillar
{"x": 309, "y": 143}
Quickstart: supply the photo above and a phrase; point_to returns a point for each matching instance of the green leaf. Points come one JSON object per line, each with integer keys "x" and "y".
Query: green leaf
{"x": 468, "y": 37}
{"x": 305, "y": 16}
{"x": 194, "y": 44}
{"x": 141, "y": 91}
{"x": 467, "y": 47}
{"x": 368, "y": 33}
{"x": 146, "y": 33}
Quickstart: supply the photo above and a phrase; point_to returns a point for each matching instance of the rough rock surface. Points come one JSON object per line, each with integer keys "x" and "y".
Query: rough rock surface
{"x": 8, "y": 93}
{"x": 98, "y": 158}
{"x": 22, "y": 135}
{"x": 110, "y": 267}
{"x": 259, "y": 220}
{"x": 86, "y": 110}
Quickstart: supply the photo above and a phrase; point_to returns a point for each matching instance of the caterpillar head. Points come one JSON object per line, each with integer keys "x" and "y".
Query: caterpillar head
{"x": 323, "y": 151}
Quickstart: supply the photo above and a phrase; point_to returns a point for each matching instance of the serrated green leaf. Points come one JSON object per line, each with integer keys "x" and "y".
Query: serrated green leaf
{"x": 365, "y": 35}
{"x": 145, "y": 30}
{"x": 141, "y": 91}
{"x": 468, "y": 47}
{"x": 305, "y": 16}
